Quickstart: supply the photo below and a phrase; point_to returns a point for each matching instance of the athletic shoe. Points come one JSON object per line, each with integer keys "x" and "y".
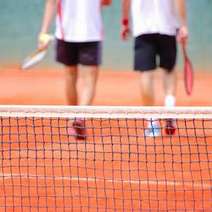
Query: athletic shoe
{"x": 153, "y": 129}
{"x": 170, "y": 127}
{"x": 77, "y": 129}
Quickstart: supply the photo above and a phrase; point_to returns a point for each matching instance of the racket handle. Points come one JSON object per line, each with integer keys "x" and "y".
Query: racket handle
{"x": 185, "y": 55}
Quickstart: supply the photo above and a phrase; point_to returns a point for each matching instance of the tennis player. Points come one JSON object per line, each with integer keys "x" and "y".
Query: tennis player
{"x": 79, "y": 36}
{"x": 155, "y": 26}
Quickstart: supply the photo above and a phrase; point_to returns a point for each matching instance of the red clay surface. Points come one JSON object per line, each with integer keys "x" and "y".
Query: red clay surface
{"x": 120, "y": 173}
{"x": 114, "y": 88}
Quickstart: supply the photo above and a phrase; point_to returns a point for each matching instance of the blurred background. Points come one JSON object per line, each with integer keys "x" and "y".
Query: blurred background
{"x": 20, "y": 23}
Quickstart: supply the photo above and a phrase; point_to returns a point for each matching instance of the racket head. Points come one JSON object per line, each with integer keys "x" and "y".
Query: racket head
{"x": 35, "y": 58}
{"x": 188, "y": 73}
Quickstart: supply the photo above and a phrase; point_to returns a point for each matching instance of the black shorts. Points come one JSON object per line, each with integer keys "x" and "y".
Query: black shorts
{"x": 153, "y": 50}
{"x": 84, "y": 53}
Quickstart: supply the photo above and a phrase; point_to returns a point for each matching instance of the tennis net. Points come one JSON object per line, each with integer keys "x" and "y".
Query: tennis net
{"x": 112, "y": 165}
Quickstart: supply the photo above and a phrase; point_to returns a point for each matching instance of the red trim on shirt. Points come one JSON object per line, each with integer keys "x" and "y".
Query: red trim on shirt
{"x": 60, "y": 15}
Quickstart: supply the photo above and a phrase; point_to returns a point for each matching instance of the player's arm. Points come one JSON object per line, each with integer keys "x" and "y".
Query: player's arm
{"x": 106, "y": 2}
{"x": 125, "y": 29}
{"x": 183, "y": 30}
{"x": 49, "y": 14}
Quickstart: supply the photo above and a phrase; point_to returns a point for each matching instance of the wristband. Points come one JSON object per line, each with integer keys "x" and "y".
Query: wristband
{"x": 125, "y": 22}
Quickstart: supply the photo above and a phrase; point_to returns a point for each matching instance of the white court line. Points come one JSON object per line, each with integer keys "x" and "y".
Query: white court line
{"x": 118, "y": 181}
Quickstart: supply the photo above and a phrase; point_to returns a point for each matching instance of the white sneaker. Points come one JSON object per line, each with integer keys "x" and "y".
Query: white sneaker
{"x": 153, "y": 129}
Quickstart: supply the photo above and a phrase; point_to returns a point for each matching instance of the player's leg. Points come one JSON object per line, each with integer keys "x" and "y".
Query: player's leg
{"x": 71, "y": 84}
{"x": 147, "y": 88}
{"x": 77, "y": 127}
{"x": 145, "y": 63}
{"x": 170, "y": 84}
{"x": 168, "y": 54}
{"x": 67, "y": 54}
{"x": 90, "y": 57}
{"x": 147, "y": 94}
{"x": 89, "y": 78}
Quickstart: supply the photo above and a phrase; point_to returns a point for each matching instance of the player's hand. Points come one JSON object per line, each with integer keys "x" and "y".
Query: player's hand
{"x": 44, "y": 40}
{"x": 182, "y": 35}
{"x": 125, "y": 30}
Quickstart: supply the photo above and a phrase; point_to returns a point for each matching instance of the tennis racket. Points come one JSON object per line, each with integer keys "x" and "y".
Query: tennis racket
{"x": 39, "y": 54}
{"x": 188, "y": 72}
{"x": 33, "y": 59}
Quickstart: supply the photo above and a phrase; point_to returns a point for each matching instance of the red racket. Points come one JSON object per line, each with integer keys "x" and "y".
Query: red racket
{"x": 188, "y": 72}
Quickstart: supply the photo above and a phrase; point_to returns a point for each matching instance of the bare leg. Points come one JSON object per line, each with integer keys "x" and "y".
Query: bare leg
{"x": 71, "y": 84}
{"x": 170, "y": 82}
{"x": 147, "y": 92}
{"x": 89, "y": 78}
{"x": 76, "y": 127}
{"x": 147, "y": 89}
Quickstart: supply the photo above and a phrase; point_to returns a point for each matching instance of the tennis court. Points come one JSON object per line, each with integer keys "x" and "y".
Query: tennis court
{"x": 116, "y": 168}
{"x": 47, "y": 87}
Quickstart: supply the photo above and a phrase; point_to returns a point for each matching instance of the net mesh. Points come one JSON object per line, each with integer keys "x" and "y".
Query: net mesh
{"x": 113, "y": 166}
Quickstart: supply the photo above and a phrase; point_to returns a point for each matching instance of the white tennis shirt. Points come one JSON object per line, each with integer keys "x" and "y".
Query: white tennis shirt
{"x": 154, "y": 16}
{"x": 80, "y": 21}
